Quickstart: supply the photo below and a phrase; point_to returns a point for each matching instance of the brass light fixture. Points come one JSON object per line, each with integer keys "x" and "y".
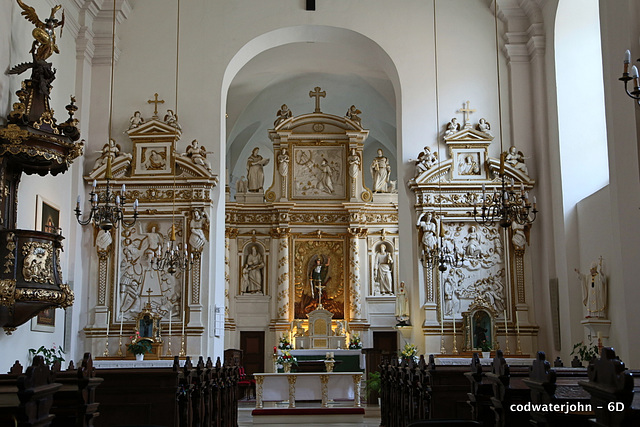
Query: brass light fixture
{"x": 108, "y": 208}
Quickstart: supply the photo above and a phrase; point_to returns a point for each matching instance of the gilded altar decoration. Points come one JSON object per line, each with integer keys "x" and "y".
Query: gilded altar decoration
{"x": 37, "y": 264}
{"x": 7, "y": 292}
{"x": 44, "y": 43}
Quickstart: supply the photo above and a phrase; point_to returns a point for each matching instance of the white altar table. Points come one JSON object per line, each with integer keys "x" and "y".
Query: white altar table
{"x": 322, "y": 386}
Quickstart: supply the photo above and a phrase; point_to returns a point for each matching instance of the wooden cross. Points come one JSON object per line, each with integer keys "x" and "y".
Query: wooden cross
{"x": 466, "y": 112}
{"x": 317, "y": 94}
{"x": 155, "y": 101}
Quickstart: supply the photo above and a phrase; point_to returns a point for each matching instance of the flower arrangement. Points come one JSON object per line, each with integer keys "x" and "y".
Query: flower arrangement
{"x": 409, "y": 351}
{"x": 50, "y": 355}
{"x": 284, "y": 343}
{"x": 585, "y": 352}
{"x": 139, "y": 346}
{"x": 286, "y": 357}
{"x": 485, "y": 345}
{"x": 354, "y": 342}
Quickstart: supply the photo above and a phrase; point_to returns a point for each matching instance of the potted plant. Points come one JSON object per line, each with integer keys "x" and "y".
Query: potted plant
{"x": 486, "y": 349}
{"x": 139, "y": 346}
{"x": 286, "y": 360}
{"x": 50, "y": 355}
{"x": 373, "y": 384}
{"x": 585, "y": 352}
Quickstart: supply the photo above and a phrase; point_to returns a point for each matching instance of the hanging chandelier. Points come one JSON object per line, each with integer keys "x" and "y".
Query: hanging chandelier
{"x": 506, "y": 206}
{"x": 175, "y": 257}
{"x": 108, "y": 208}
{"x": 635, "y": 93}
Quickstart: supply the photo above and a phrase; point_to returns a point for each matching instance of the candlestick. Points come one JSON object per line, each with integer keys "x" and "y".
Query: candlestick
{"x": 182, "y": 348}
{"x": 184, "y": 320}
{"x": 455, "y": 344}
{"x": 170, "y": 313}
{"x": 169, "y": 339}
{"x": 121, "y": 319}
{"x": 108, "y": 318}
{"x": 506, "y": 334}
{"x": 517, "y": 323}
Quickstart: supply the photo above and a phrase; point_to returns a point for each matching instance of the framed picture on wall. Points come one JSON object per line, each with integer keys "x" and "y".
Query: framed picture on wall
{"x": 47, "y": 216}
{"x": 45, "y": 321}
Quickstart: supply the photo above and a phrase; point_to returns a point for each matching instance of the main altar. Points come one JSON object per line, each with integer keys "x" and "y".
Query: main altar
{"x": 312, "y": 253}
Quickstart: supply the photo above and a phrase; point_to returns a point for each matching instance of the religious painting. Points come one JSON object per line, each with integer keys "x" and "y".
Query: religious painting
{"x": 153, "y": 158}
{"x": 482, "y": 274}
{"x": 45, "y": 321}
{"x": 253, "y": 269}
{"x": 47, "y": 216}
{"x": 319, "y": 172}
{"x": 140, "y": 278}
{"x": 468, "y": 163}
{"x": 481, "y": 330}
{"x": 319, "y": 274}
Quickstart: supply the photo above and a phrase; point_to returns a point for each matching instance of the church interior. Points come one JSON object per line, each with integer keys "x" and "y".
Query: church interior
{"x": 329, "y": 181}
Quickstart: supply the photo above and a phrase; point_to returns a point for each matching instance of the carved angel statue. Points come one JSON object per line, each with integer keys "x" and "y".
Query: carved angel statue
{"x": 452, "y": 127}
{"x": 484, "y": 126}
{"x": 197, "y": 154}
{"x": 172, "y": 119}
{"x": 198, "y": 224}
{"x": 44, "y": 44}
{"x": 283, "y": 114}
{"x": 516, "y": 159}
{"x": 109, "y": 150}
{"x": 352, "y": 114}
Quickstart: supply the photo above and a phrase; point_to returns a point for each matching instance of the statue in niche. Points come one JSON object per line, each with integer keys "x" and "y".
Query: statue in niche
{"x": 484, "y": 126}
{"x": 353, "y": 114}
{"x": 197, "y": 154}
{"x": 255, "y": 172}
{"x": 383, "y": 271}
{"x": 283, "y": 114}
{"x": 283, "y": 162}
{"x": 467, "y": 165}
{"x": 354, "y": 162}
{"x": 241, "y": 185}
{"x": 402, "y": 306}
{"x": 172, "y": 119}
{"x": 154, "y": 161}
{"x": 452, "y": 127}
{"x": 136, "y": 120}
{"x": 325, "y": 183}
{"x": 380, "y": 171}
{"x": 341, "y": 328}
{"x": 319, "y": 274}
{"x": 197, "y": 238}
{"x": 594, "y": 290}
{"x": 449, "y": 289}
{"x": 252, "y": 272}
{"x": 515, "y": 159}
{"x": 429, "y": 232}
{"x": 109, "y": 150}
{"x": 472, "y": 247}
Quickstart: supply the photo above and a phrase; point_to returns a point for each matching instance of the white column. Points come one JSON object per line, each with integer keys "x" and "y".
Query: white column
{"x": 283, "y": 275}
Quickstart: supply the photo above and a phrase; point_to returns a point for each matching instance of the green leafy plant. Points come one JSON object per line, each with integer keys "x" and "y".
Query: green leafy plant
{"x": 585, "y": 352}
{"x": 284, "y": 343}
{"x": 373, "y": 383}
{"x": 50, "y": 355}
{"x": 139, "y": 346}
{"x": 485, "y": 345}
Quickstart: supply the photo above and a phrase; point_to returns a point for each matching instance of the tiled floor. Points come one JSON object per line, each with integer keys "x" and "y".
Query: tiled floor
{"x": 371, "y": 417}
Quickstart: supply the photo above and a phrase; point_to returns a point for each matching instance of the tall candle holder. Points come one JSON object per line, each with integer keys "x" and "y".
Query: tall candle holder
{"x": 455, "y": 344}
{"x": 106, "y": 347}
{"x": 442, "y": 349}
{"x": 518, "y": 349}
{"x": 119, "y": 353}
{"x": 507, "y": 350}
{"x": 182, "y": 347}
{"x": 169, "y": 346}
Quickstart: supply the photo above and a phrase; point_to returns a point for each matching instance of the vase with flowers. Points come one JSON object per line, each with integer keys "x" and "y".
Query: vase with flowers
{"x": 286, "y": 359}
{"x": 139, "y": 346}
{"x": 410, "y": 351}
{"x": 284, "y": 343}
{"x": 354, "y": 342}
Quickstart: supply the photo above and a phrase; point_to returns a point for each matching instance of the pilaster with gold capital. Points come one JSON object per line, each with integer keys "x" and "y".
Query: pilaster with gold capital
{"x": 282, "y": 255}
{"x": 355, "y": 294}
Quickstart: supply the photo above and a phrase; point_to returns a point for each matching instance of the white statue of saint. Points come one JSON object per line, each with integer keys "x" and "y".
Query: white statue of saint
{"x": 252, "y": 272}
{"x": 402, "y": 305}
{"x": 380, "y": 172}
{"x": 255, "y": 172}
{"x": 429, "y": 232}
{"x": 383, "y": 272}
{"x": 594, "y": 290}
{"x": 283, "y": 162}
{"x": 197, "y": 238}
{"x": 354, "y": 163}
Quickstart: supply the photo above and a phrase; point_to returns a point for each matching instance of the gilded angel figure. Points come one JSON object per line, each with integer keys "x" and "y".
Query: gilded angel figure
{"x": 44, "y": 44}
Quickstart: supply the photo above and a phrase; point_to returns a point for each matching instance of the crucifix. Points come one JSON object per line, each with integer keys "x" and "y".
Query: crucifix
{"x": 320, "y": 287}
{"x": 155, "y": 101}
{"x": 317, "y": 94}
{"x": 466, "y": 111}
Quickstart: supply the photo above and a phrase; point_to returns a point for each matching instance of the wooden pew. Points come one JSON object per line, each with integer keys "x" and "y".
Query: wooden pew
{"x": 74, "y": 404}
{"x": 25, "y": 400}
{"x": 405, "y": 392}
{"x": 508, "y": 389}
{"x": 480, "y": 393}
{"x": 556, "y": 386}
{"x": 611, "y": 388}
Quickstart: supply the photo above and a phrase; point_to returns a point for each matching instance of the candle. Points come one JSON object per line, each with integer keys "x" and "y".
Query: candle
{"x": 121, "y": 318}
{"x": 441, "y": 322}
{"x": 505, "y": 323}
{"x": 599, "y": 335}
{"x": 517, "y": 323}
{"x": 275, "y": 350}
{"x": 634, "y": 75}
{"x": 454, "y": 326}
{"x": 627, "y": 60}
{"x": 169, "y": 322}
{"x": 184, "y": 320}
{"x": 108, "y": 317}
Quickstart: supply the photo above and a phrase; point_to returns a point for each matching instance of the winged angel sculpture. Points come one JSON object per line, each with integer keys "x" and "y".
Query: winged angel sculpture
{"x": 44, "y": 44}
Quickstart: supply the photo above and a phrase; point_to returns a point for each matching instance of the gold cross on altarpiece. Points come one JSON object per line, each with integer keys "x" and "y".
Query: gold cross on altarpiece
{"x": 317, "y": 94}
{"x": 155, "y": 101}
{"x": 466, "y": 112}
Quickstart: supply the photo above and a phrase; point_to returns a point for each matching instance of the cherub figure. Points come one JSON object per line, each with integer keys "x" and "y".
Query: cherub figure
{"x": 172, "y": 119}
{"x": 197, "y": 154}
{"x": 283, "y": 114}
{"x": 353, "y": 114}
